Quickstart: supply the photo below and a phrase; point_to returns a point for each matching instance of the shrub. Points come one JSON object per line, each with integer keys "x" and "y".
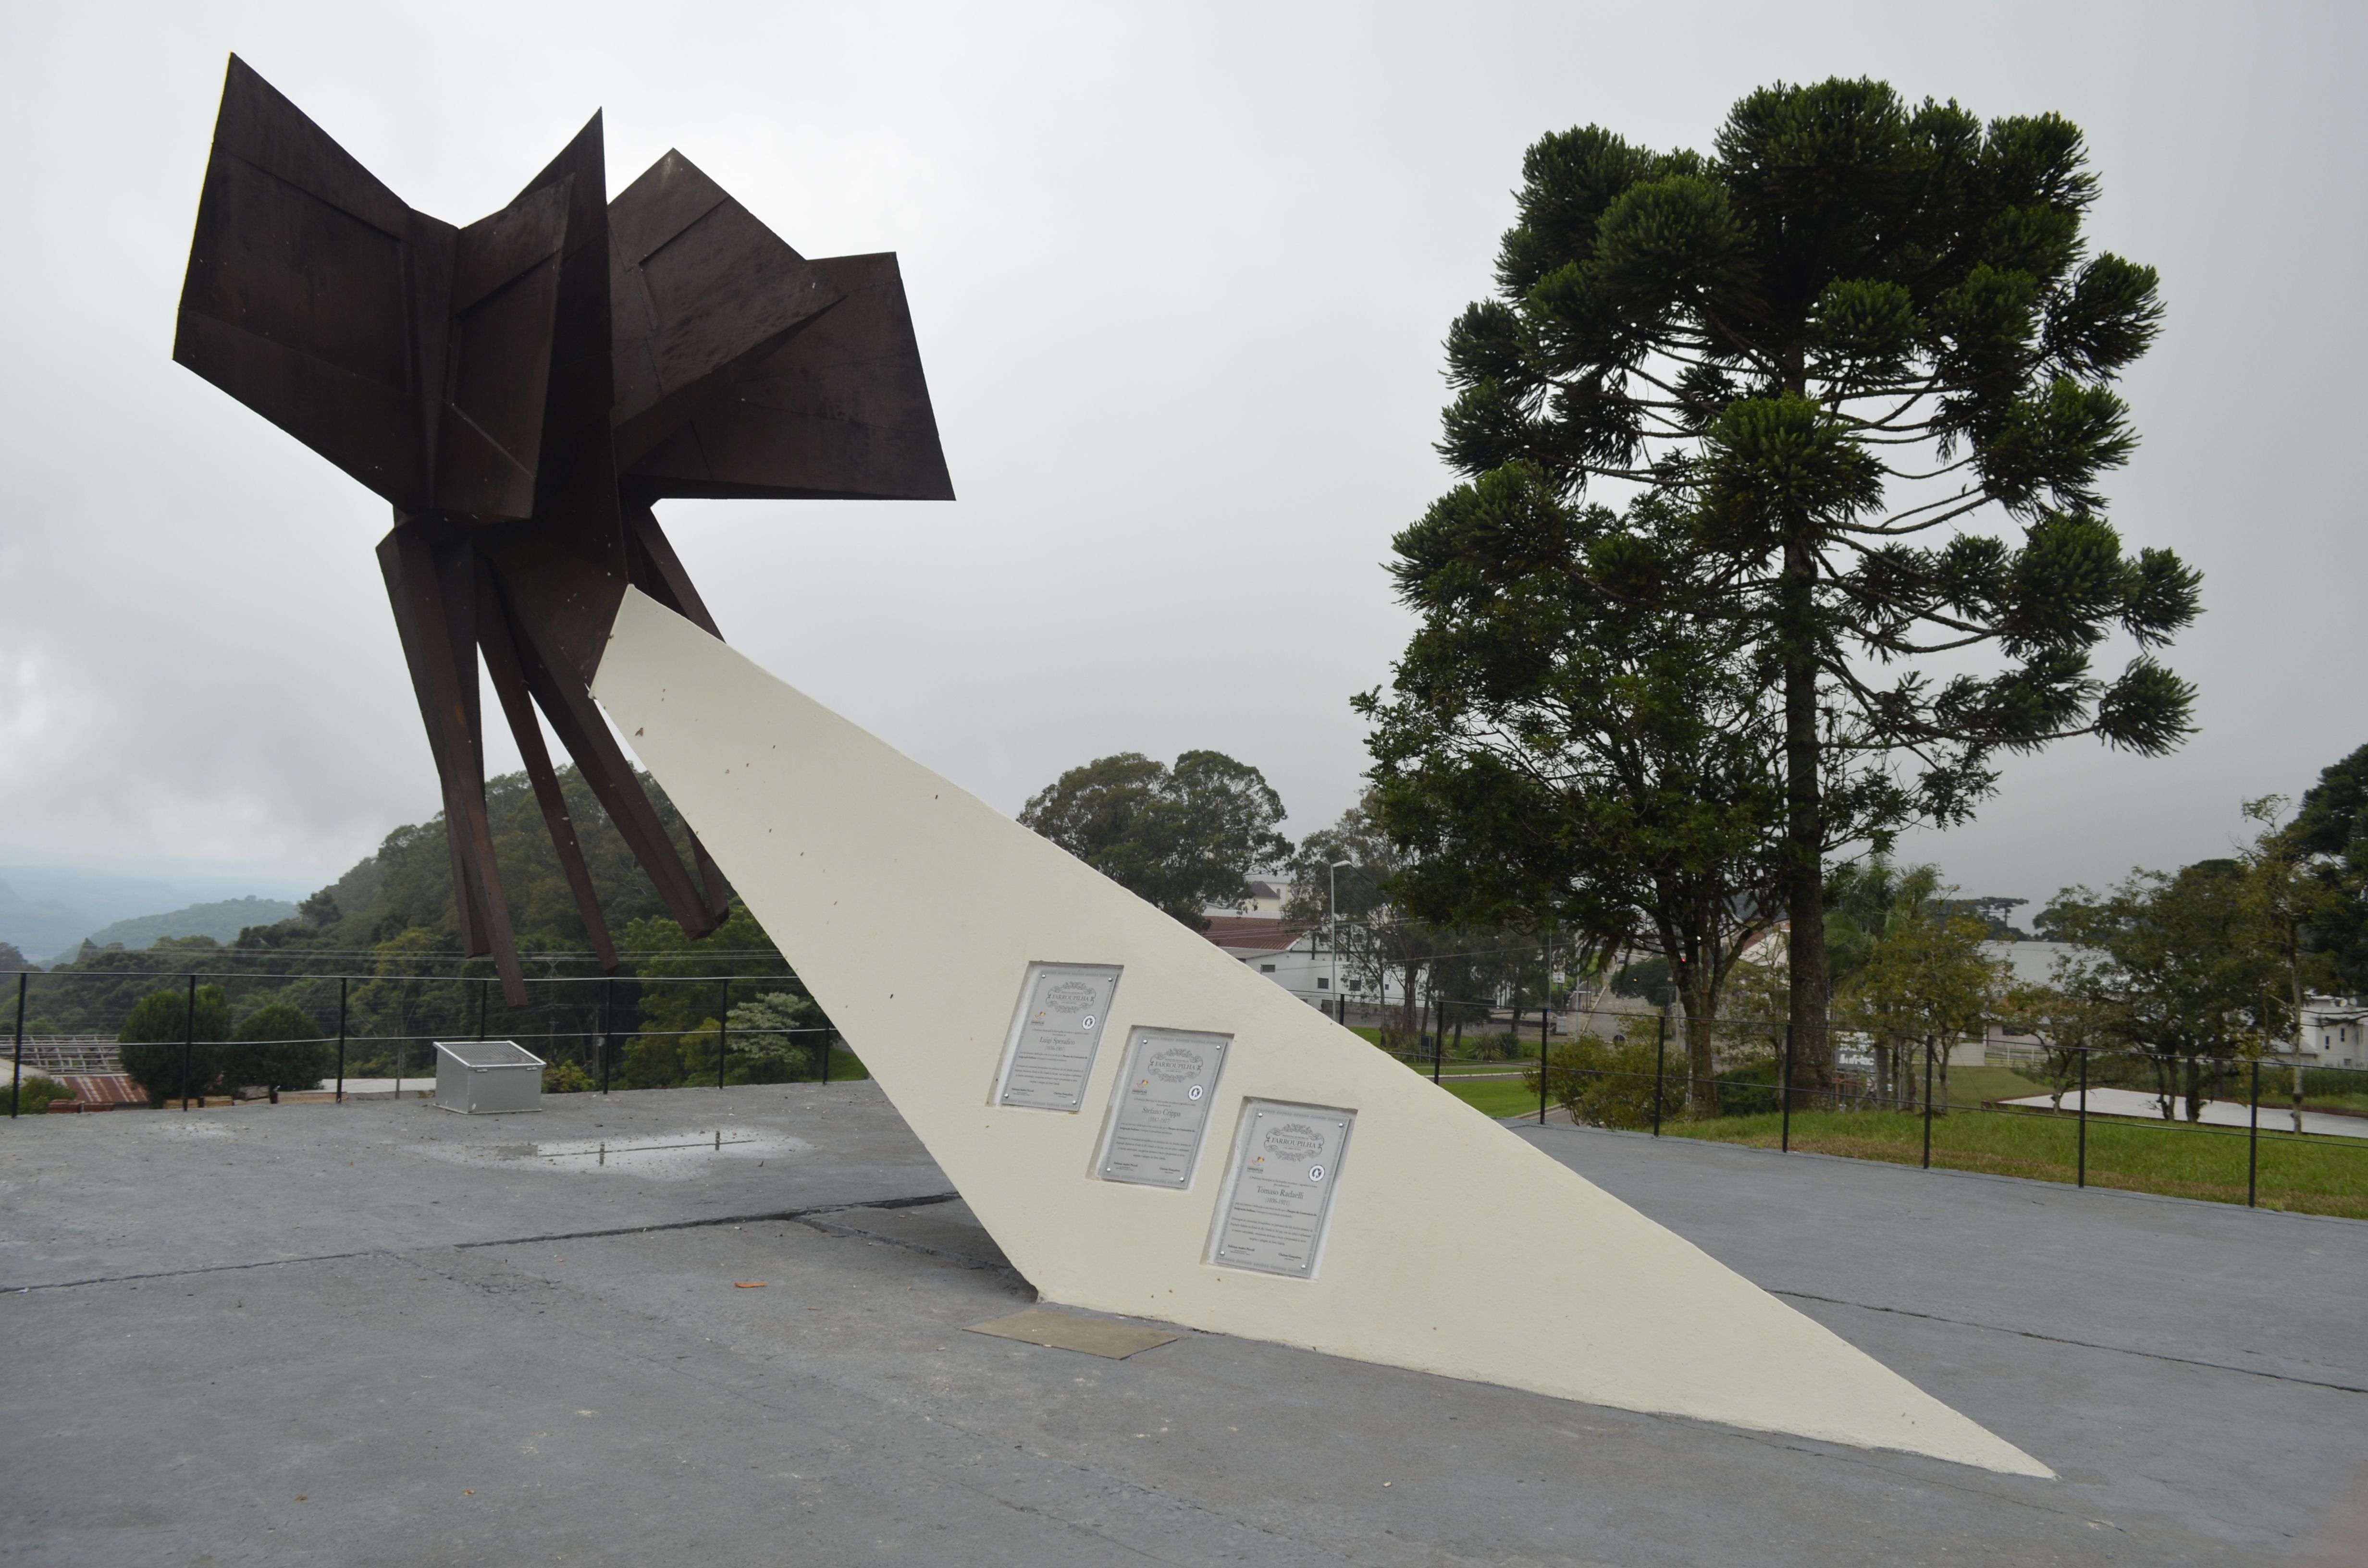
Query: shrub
{"x": 567, "y": 1078}
{"x": 35, "y": 1092}
{"x": 1753, "y": 1089}
{"x": 1503, "y": 1045}
{"x": 1607, "y": 1084}
{"x": 654, "y": 1061}
{"x": 763, "y": 1049}
{"x": 279, "y": 1046}
{"x": 153, "y": 1040}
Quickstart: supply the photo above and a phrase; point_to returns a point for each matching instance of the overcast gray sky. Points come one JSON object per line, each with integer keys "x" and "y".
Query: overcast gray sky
{"x": 1180, "y": 274}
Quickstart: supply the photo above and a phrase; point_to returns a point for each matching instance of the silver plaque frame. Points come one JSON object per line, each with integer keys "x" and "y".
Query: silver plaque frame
{"x": 1275, "y": 1219}
{"x": 1046, "y": 1065}
{"x": 1159, "y": 1106}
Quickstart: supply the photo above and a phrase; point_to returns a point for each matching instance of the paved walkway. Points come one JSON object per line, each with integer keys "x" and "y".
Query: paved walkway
{"x": 2217, "y": 1113}
{"x": 383, "y": 1333}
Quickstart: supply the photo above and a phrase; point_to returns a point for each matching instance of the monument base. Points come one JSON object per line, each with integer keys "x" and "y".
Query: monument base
{"x": 1315, "y": 1193}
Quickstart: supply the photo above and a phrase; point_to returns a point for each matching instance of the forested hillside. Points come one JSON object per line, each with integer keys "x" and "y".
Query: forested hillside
{"x": 389, "y": 927}
{"x": 223, "y": 920}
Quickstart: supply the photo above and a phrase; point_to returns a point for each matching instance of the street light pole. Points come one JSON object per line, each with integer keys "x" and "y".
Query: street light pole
{"x": 1333, "y": 907}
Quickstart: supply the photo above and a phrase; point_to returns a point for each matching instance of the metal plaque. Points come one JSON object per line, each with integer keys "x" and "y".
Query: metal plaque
{"x": 1051, "y": 1052}
{"x": 1278, "y": 1202}
{"x": 1162, "y": 1106}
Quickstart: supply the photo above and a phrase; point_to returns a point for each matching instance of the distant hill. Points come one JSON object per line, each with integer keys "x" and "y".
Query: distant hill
{"x": 221, "y": 921}
{"x": 50, "y": 908}
{"x": 39, "y": 926}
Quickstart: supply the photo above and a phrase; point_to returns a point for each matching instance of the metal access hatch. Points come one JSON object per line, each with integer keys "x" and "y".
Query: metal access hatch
{"x": 482, "y": 1077}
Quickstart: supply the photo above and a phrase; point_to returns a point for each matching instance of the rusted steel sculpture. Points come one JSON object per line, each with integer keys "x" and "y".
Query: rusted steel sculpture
{"x": 522, "y": 390}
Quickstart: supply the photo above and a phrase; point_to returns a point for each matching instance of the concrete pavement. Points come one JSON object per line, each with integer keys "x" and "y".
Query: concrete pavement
{"x": 385, "y": 1333}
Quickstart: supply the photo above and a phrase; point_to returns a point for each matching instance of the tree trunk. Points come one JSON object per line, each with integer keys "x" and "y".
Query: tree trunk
{"x": 1701, "y": 1053}
{"x": 1804, "y": 832}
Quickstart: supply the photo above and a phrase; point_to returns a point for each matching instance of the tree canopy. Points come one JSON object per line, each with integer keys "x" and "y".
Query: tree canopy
{"x": 1182, "y": 837}
{"x": 2328, "y": 836}
{"x": 1921, "y": 974}
{"x": 2177, "y": 965}
{"x": 1853, "y": 370}
{"x": 158, "y": 1036}
{"x": 1556, "y": 751}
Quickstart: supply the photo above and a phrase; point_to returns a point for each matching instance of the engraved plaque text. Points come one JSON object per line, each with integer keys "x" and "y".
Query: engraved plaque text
{"x": 1276, "y": 1207}
{"x": 1164, "y": 1096}
{"x": 1051, "y": 1054}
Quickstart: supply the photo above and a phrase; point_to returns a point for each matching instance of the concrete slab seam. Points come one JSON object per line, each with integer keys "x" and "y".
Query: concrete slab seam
{"x": 2076, "y": 1344}
{"x": 781, "y": 1216}
{"x": 881, "y": 1239}
{"x": 792, "y": 1216}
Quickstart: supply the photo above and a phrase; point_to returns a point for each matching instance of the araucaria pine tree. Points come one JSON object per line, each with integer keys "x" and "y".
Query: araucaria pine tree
{"x": 1864, "y": 349}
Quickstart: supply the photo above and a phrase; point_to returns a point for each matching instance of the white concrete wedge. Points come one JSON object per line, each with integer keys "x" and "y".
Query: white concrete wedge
{"x": 1436, "y": 1240}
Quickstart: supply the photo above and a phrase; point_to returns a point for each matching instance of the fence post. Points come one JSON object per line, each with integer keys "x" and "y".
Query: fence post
{"x": 608, "y": 1025}
{"x": 1785, "y": 1093}
{"x": 2080, "y": 1170}
{"x": 2253, "y": 1138}
{"x": 16, "y": 1082}
{"x": 1928, "y": 1102}
{"x": 1541, "y": 1057}
{"x": 1660, "y": 1056}
{"x": 827, "y": 1036}
{"x": 341, "y": 1039}
{"x": 189, "y": 1041}
{"x": 722, "y": 1030}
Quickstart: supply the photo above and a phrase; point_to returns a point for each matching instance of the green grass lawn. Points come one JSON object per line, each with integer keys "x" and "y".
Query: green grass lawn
{"x": 2311, "y": 1176}
{"x": 1974, "y": 1086}
{"x": 1495, "y": 1097}
{"x": 1453, "y": 1066}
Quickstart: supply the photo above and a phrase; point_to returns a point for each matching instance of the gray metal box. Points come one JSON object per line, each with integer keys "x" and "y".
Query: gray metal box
{"x": 480, "y": 1078}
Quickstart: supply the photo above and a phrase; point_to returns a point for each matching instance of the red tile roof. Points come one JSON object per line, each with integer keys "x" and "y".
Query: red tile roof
{"x": 116, "y": 1088}
{"x": 1252, "y": 933}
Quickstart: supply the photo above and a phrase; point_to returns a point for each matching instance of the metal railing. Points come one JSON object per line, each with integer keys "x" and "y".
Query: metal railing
{"x": 587, "y": 1023}
{"x": 2080, "y": 1095}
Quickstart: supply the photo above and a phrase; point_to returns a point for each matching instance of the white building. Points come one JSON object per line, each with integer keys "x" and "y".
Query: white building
{"x": 2331, "y": 1031}
{"x": 1261, "y": 899}
{"x": 1294, "y": 957}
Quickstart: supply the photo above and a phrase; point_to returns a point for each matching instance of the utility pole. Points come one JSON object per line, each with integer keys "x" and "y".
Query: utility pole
{"x": 1340, "y": 1005}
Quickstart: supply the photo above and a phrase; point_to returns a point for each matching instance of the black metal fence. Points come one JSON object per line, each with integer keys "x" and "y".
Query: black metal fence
{"x": 594, "y": 1031}
{"x": 2167, "y": 1121}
